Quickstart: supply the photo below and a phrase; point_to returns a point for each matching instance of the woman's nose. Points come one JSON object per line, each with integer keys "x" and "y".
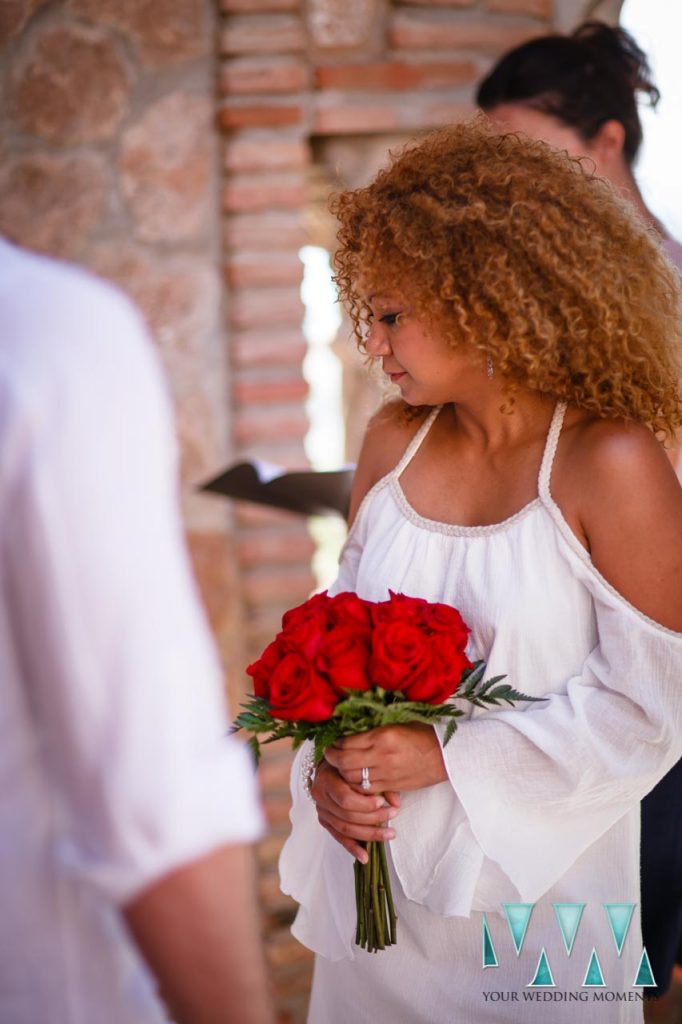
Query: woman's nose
{"x": 377, "y": 343}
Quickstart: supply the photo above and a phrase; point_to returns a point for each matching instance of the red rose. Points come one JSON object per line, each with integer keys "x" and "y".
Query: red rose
{"x": 442, "y": 618}
{"x": 262, "y": 669}
{"x": 400, "y": 652}
{"x": 351, "y": 609}
{"x": 344, "y": 658}
{"x": 445, "y": 672}
{"x": 303, "y": 627}
{"x": 400, "y": 608}
{"x": 298, "y": 692}
{"x": 313, "y": 606}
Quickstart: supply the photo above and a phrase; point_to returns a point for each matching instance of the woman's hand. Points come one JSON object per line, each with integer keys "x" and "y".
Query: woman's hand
{"x": 397, "y": 757}
{"x": 350, "y": 815}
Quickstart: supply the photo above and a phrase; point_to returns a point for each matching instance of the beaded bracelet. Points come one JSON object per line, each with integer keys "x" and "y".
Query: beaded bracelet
{"x": 308, "y": 770}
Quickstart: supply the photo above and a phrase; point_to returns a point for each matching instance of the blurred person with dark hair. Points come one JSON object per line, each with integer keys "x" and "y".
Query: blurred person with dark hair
{"x": 125, "y": 812}
{"x": 579, "y": 93}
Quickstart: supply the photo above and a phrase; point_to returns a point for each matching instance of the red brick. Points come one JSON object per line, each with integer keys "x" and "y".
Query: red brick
{"x": 269, "y": 155}
{"x": 535, "y": 8}
{"x": 352, "y": 118}
{"x": 278, "y": 587}
{"x": 293, "y": 389}
{"x": 274, "y": 775}
{"x": 277, "y": 807}
{"x": 276, "y": 548}
{"x": 267, "y": 348}
{"x": 440, "y": 3}
{"x": 271, "y": 894}
{"x": 264, "y": 423}
{"x": 257, "y": 268}
{"x": 437, "y": 30}
{"x": 269, "y": 849}
{"x": 270, "y": 392}
{"x": 263, "y": 75}
{"x": 395, "y": 75}
{"x": 265, "y": 307}
{"x": 267, "y": 115}
{"x": 276, "y": 229}
{"x": 250, "y": 193}
{"x": 214, "y": 563}
{"x": 436, "y": 114}
{"x": 294, "y": 982}
{"x": 257, "y": 6}
{"x": 282, "y": 33}
{"x": 261, "y": 515}
{"x": 282, "y": 950}
{"x": 279, "y": 750}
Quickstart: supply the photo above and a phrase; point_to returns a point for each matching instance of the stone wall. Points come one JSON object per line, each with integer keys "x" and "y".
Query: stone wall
{"x": 109, "y": 158}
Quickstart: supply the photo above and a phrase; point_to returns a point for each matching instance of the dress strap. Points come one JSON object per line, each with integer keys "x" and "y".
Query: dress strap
{"x": 551, "y": 443}
{"x": 416, "y": 442}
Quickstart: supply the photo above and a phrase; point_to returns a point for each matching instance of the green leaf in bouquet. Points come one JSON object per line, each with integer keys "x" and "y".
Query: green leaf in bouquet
{"x": 450, "y": 730}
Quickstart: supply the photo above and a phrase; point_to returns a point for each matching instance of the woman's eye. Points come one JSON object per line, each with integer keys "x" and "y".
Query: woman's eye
{"x": 390, "y": 319}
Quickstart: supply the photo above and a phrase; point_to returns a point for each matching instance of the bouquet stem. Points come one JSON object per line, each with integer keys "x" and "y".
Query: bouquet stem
{"x": 377, "y": 922}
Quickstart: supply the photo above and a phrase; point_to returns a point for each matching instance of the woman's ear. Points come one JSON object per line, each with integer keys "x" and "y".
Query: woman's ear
{"x": 606, "y": 147}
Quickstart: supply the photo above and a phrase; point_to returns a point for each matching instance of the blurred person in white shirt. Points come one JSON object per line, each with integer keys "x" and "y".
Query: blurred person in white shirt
{"x": 126, "y": 813}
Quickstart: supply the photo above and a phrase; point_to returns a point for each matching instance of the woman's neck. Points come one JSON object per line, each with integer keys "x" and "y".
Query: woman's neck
{"x": 624, "y": 180}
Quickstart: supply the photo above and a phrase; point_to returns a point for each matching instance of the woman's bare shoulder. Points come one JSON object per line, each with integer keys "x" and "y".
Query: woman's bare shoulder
{"x": 614, "y": 454}
{"x": 388, "y": 434}
{"x": 617, "y": 487}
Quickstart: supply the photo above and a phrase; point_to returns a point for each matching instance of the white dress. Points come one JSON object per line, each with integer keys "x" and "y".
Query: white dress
{"x": 542, "y": 806}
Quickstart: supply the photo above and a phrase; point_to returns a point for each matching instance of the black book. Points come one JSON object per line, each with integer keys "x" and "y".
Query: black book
{"x": 308, "y": 492}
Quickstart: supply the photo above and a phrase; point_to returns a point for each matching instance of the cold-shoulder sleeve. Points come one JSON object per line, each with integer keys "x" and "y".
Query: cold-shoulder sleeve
{"x": 554, "y": 777}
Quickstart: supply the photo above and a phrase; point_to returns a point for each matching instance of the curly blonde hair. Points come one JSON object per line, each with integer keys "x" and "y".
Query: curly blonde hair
{"x": 518, "y": 252}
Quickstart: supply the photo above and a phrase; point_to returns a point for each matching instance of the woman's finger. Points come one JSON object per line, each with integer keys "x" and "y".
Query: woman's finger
{"x": 353, "y": 830}
{"x": 352, "y": 760}
{"x": 330, "y": 790}
{"x": 357, "y": 742}
{"x": 355, "y": 849}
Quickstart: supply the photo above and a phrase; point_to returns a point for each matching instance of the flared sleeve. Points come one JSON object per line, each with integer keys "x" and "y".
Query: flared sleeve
{"x": 552, "y": 778}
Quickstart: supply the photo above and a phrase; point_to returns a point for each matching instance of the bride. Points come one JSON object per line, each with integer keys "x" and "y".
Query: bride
{"x": 531, "y": 326}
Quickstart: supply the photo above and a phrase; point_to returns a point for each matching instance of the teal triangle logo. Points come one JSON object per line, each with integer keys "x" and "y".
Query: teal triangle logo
{"x": 568, "y": 915}
{"x": 543, "y": 974}
{"x": 619, "y": 915}
{"x": 593, "y": 976}
{"x": 489, "y": 955}
{"x": 518, "y": 916}
{"x": 645, "y": 976}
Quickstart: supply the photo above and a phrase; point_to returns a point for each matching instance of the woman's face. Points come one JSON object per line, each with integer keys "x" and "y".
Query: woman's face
{"x": 419, "y": 361}
{"x": 516, "y": 117}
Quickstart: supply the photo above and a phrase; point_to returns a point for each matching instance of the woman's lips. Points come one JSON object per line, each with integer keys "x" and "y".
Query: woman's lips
{"x": 395, "y": 377}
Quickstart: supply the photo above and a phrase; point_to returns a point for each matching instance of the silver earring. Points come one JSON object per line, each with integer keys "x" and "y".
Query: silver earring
{"x": 489, "y": 368}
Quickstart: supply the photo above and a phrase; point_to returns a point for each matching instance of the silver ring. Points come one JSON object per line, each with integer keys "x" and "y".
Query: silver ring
{"x": 365, "y": 784}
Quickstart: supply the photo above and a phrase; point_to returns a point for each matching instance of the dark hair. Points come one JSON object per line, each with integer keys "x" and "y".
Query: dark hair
{"x": 584, "y": 80}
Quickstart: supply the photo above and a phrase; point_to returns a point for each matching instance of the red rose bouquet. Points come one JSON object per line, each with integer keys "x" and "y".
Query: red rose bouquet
{"x": 342, "y": 665}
